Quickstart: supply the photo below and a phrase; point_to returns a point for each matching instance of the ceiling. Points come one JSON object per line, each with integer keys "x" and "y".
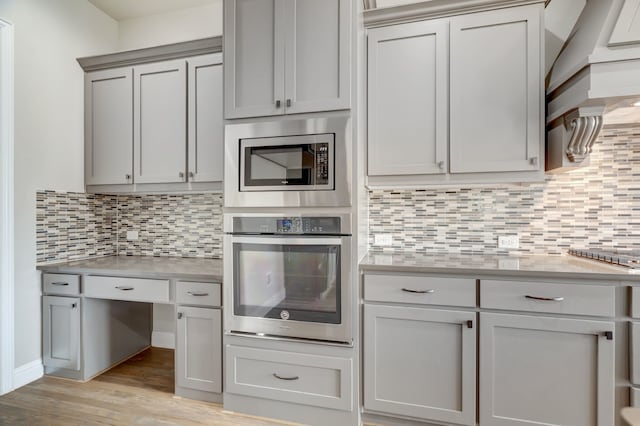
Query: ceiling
{"x": 126, "y": 9}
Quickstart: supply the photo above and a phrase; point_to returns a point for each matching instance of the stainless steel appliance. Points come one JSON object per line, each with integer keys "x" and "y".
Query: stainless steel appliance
{"x": 288, "y": 276}
{"x": 626, "y": 258}
{"x": 288, "y": 163}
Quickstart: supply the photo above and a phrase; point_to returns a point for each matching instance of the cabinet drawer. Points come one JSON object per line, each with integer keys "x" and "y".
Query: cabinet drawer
{"x": 573, "y": 299}
{"x": 61, "y": 284}
{"x": 635, "y": 302}
{"x": 194, "y": 293}
{"x": 421, "y": 290}
{"x": 634, "y": 353}
{"x": 135, "y": 289}
{"x": 321, "y": 381}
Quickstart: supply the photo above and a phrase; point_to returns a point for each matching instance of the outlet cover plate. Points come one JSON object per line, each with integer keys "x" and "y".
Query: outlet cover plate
{"x": 132, "y": 235}
{"x": 509, "y": 242}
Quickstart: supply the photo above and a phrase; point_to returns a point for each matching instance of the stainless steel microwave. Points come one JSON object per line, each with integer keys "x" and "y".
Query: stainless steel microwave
{"x": 288, "y": 163}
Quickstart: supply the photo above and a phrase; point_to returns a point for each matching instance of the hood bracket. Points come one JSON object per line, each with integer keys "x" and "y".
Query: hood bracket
{"x": 584, "y": 125}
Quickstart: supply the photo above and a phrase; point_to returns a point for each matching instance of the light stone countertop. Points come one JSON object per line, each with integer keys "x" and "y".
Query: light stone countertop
{"x": 142, "y": 266}
{"x": 535, "y": 266}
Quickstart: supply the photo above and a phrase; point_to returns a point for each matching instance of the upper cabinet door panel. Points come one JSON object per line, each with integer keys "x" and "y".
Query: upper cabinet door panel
{"x": 160, "y": 115}
{"x": 408, "y": 99}
{"x": 317, "y": 55}
{"x": 627, "y": 29}
{"x": 205, "y": 118}
{"x": 108, "y": 127}
{"x": 496, "y": 91}
{"x": 254, "y": 58}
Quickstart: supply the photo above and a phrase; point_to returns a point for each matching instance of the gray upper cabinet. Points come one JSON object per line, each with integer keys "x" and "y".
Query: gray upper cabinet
{"x": 286, "y": 56}
{"x": 61, "y": 332}
{"x": 543, "y": 370}
{"x": 496, "y": 91}
{"x": 108, "y": 127}
{"x": 420, "y": 363}
{"x": 160, "y": 122}
{"x": 206, "y": 129}
{"x": 408, "y": 99}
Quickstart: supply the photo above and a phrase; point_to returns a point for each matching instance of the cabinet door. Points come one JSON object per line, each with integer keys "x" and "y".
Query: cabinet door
{"x": 206, "y": 126}
{"x": 199, "y": 349}
{"x": 542, "y": 370}
{"x": 61, "y": 332}
{"x": 497, "y": 91}
{"x": 420, "y": 363}
{"x": 253, "y": 58}
{"x": 109, "y": 127}
{"x": 160, "y": 122}
{"x": 408, "y": 99}
{"x": 317, "y": 55}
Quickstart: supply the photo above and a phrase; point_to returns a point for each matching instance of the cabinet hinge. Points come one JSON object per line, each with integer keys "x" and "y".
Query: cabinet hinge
{"x": 608, "y": 335}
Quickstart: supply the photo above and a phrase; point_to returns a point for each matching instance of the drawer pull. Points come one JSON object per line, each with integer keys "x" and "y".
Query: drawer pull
{"x": 408, "y": 290}
{"x": 60, "y": 283}
{"x": 277, "y": 376}
{"x": 545, "y": 299}
{"x": 197, "y": 293}
{"x": 123, "y": 288}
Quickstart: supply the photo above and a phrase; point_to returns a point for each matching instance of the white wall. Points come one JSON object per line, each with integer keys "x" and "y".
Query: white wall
{"x": 49, "y": 36}
{"x": 171, "y": 27}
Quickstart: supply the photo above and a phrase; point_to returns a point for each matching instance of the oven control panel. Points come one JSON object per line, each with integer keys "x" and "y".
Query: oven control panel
{"x": 297, "y": 225}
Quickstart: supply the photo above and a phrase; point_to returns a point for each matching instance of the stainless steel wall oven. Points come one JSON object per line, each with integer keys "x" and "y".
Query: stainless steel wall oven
{"x": 290, "y": 276}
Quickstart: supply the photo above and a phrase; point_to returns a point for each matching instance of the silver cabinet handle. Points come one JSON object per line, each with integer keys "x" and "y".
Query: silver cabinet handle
{"x": 278, "y": 103}
{"x": 60, "y": 283}
{"x": 128, "y": 177}
{"x": 123, "y": 288}
{"x": 181, "y": 175}
{"x": 197, "y": 293}
{"x": 608, "y": 335}
{"x": 290, "y": 378}
{"x": 408, "y": 290}
{"x": 192, "y": 175}
{"x": 441, "y": 165}
{"x": 74, "y": 305}
{"x": 545, "y": 299}
{"x": 533, "y": 161}
{"x": 179, "y": 315}
{"x": 288, "y": 103}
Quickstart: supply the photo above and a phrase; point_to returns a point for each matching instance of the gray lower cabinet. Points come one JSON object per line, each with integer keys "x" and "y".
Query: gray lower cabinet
{"x": 420, "y": 363}
{"x": 537, "y": 370}
{"x": 61, "y": 332}
{"x": 199, "y": 349}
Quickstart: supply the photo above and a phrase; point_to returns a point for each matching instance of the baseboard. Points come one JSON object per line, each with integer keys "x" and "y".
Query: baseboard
{"x": 27, "y": 373}
{"x": 163, "y": 339}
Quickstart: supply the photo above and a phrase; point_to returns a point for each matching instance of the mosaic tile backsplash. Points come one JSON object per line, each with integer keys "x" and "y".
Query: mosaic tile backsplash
{"x": 593, "y": 206}
{"x": 73, "y": 226}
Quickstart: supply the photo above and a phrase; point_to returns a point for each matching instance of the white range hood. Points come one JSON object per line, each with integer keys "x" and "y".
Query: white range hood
{"x": 594, "y": 81}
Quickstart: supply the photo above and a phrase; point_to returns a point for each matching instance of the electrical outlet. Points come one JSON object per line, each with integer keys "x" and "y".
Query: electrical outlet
{"x": 132, "y": 235}
{"x": 383, "y": 240}
{"x": 509, "y": 242}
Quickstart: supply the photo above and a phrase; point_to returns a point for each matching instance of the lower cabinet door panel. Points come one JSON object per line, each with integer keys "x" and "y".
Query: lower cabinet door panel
{"x": 199, "y": 349}
{"x": 61, "y": 332}
{"x": 420, "y": 363}
{"x": 317, "y": 380}
{"x": 545, "y": 371}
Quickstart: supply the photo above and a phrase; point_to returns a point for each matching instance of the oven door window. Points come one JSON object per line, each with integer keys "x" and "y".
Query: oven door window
{"x": 289, "y": 282}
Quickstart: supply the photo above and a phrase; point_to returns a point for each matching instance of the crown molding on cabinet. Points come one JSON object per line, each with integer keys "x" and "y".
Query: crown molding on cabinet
{"x": 152, "y": 54}
{"x": 434, "y": 9}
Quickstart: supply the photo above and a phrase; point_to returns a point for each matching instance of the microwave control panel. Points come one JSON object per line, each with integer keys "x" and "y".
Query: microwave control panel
{"x": 322, "y": 163}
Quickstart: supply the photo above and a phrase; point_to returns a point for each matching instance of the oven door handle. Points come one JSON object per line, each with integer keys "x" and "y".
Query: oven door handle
{"x": 288, "y": 241}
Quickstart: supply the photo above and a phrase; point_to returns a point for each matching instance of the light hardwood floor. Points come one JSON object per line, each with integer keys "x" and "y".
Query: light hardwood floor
{"x": 139, "y": 391}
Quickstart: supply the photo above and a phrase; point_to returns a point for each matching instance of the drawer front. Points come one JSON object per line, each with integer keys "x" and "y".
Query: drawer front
{"x": 61, "y": 284}
{"x": 634, "y": 352}
{"x": 422, "y": 290}
{"x": 135, "y": 289}
{"x": 635, "y": 302}
{"x": 195, "y": 293}
{"x": 321, "y": 381}
{"x": 572, "y": 299}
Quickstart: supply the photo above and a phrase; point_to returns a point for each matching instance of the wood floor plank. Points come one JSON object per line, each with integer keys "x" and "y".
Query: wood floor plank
{"x": 139, "y": 391}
